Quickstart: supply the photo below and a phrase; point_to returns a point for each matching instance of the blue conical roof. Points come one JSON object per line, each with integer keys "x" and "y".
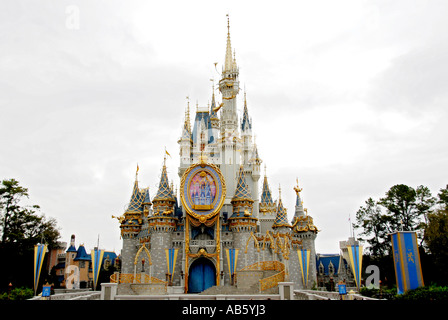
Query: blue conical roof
{"x": 213, "y": 114}
{"x": 81, "y": 254}
{"x": 146, "y": 198}
{"x": 135, "y": 205}
{"x": 281, "y": 217}
{"x": 164, "y": 192}
{"x": 242, "y": 189}
{"x": 266, "y": 196}
{"x": 245, "y": 123}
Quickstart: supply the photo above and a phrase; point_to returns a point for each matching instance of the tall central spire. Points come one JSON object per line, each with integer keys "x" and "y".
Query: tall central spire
{"x": 229, "y": 88}
{"x": 228, "y": 65}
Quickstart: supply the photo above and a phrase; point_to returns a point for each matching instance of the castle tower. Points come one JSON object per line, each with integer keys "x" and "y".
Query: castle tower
{"x": 242, "y": 223}
{"x": 130, "y": 225}
{"x": 162, "y": 224}
{"x": 254, "y": 164}
{"x": 186, "y": 143}
{"x": 146, "y": 202}
{"x": 70, "y": 255}
{"x": 304, "y": 233}
{"x": 214, "y": 152}
{"x": 246, "y": 133}
{"x": 268, "y": 207}
{"x": 229, "y": 88}
{"x": 230, "y": 139}
{"x": 281, "y": 223}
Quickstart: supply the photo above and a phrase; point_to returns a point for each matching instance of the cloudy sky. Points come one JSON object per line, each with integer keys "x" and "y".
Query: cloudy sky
{"x": 348, "y": 96}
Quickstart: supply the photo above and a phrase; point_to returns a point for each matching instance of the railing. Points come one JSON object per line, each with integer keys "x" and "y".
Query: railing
{"x": 202, "y": 243}
{"x": 81, "y": 295}
{"x": 135, "y": 278}
{"x": 210, "y": 245}
{"x": 326, "y": 295}
{"x": 273, "y": 280}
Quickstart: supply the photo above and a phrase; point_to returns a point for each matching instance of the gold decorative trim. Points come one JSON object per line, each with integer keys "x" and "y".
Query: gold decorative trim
{"x": 219, "y": 202}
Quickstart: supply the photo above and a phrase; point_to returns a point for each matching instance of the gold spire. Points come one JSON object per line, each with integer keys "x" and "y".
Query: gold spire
{"x": 187, "y": 116}
{"x": 229, "y": 61}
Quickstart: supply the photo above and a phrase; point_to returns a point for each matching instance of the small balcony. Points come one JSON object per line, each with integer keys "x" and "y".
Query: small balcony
{"x": 208, "y": 245}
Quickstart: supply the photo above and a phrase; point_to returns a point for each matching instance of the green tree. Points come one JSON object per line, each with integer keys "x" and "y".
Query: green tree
{"x": 401, "y": 205}
{"x": 374, "y": 227}
{"x": 402, "y": 208}
{"x": 21, "y": 227}
{"x": 443, "y": 198}
{"x": 436, "y": 237}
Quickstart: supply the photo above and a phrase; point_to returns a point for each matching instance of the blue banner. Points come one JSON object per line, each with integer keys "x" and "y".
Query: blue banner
{"x": 232, "y": 258}
{"x": 304, "y": 262}
{"x": 408, "y": 270}
{"x": 355, "y": 255}
{"x": 97, "y": 259}
{"x": 39, "y": 253}
{"x": 171, "y": 257}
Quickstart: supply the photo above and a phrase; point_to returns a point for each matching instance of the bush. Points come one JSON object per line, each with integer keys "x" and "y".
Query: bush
{"x": 431, "y": 293}
{"x": 384, "y": 293}
{"x": 18, "y": 294}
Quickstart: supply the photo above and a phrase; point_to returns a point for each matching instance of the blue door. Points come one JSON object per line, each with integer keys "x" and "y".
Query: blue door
{"x": 202, "y": 275}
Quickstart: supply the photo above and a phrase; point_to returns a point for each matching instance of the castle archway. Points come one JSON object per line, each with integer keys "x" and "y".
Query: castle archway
{"x": 202, "y": 275}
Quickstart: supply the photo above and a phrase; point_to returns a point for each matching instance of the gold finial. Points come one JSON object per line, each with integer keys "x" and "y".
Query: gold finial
{"x": 228, "y": 24}
{"x": 297, "y": 189}
{"x": 279, "y": 191}
{"x": 265, "y": 169}
{"x": 136, "y": 172}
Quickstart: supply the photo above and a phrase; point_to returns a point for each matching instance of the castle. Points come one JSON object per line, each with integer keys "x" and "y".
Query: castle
{"x": 221, "y": 222}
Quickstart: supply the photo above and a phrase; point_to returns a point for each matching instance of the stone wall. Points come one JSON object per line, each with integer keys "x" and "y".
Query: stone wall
{"x": 128, "y": 255}
{"x": 141, "y": 289}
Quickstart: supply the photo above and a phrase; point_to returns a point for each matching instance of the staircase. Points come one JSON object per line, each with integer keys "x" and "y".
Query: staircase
{"x": 252, "y": 290}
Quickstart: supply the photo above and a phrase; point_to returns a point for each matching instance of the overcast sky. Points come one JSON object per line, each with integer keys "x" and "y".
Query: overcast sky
{"x": 347, "y": 96}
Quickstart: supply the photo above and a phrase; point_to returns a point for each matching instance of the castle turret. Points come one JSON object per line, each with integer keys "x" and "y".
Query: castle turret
{"x": 281, "y": 223}
{"x": 146, "y": 202}
{"x": 162, "y": 223}
{"x": 186, "y": 143}
{"x": 304, "y": 233}
{"x": 246, "y": 134}
{"x": 242, "y": 223}
{"x": 164, "y": 201}
{"x": 268, "y": 207}
{"x": 130, "y": 224}
{"x": 70, "y": 254}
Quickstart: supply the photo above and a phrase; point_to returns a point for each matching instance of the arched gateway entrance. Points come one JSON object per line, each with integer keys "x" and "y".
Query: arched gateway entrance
{"x": 202, "y": 275}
